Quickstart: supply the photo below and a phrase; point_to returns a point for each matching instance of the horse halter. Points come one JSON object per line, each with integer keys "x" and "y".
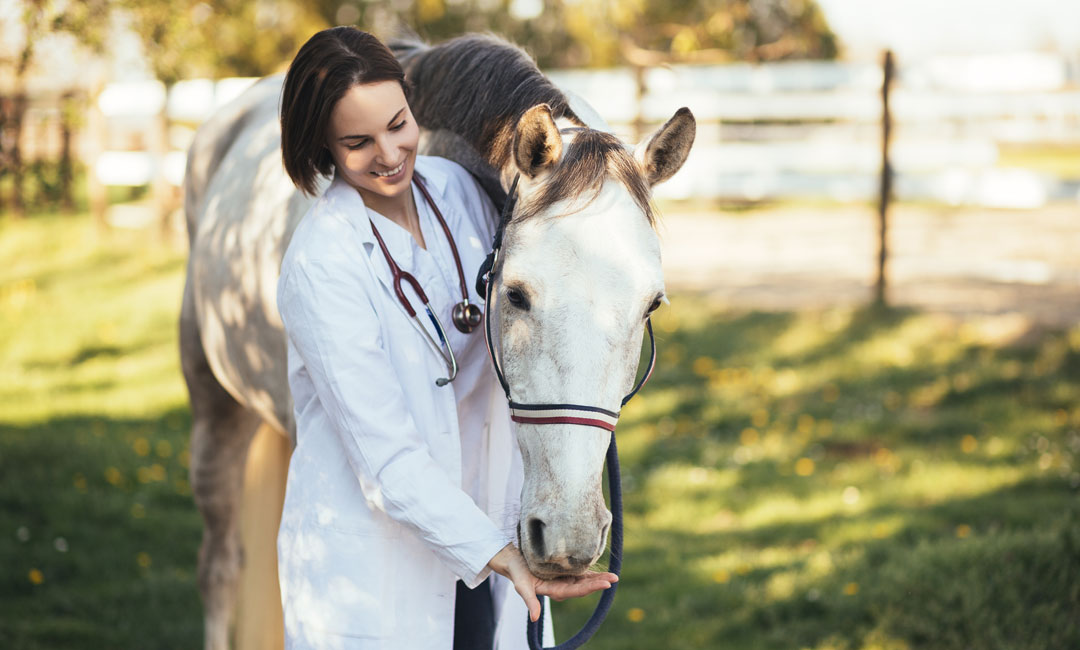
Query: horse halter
{"x": 592, "y": 416}
{"x": 465, "y": 315}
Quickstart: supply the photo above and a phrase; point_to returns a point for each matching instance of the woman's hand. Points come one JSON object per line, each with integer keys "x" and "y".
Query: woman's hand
{"x": 510, "y": 563}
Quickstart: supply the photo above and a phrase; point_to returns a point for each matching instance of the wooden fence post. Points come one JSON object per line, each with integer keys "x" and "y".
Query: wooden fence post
{"x": 639, "y": 110}
{"x": 67, "y": 126}
{"x": 18, "y": 170}
{"x": 5, "y": 155}
{"x": 886, "y": 181}
{"x": 160, "y": 190}
{"x": 96, "y": 125}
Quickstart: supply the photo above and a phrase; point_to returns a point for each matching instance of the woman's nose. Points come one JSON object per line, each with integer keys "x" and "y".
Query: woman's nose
{"x": 387, "y": 152}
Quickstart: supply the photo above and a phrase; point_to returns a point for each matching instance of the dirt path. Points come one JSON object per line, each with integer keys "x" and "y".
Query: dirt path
{"x": 958, "y": 260}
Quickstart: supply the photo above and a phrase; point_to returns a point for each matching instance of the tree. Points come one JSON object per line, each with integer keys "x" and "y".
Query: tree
{"x": 186, "y": 39}
{"x": 85, "y": 22}
{"x": 742, "y": 30}
{"x": 35, "y": 18}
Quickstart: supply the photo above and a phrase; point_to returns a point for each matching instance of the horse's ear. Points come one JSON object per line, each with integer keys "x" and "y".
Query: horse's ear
{"x": 537, "y": 143}
{"x": 664, "y": 152}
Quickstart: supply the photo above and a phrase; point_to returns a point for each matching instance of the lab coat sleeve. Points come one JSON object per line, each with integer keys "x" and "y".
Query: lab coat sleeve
{"x": 335, "y": 330}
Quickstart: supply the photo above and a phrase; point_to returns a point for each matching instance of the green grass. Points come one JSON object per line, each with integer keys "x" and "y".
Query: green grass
{"x": 842, "y": 479}
{"x": 850, "y": 479}
{"x": 98, "y": 532}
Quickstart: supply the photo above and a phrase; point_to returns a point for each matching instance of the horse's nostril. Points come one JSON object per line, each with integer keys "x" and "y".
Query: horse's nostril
{"x": 603, "y": 539}
{"x": 578, "y": 562}
{"x": 536, "y": 536}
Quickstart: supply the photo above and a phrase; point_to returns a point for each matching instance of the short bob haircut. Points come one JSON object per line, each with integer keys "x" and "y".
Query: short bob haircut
{"x": 326, "y": 67}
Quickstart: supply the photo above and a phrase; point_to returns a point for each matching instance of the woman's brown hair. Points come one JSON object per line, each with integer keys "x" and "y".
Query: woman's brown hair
{"x": 329, "y": 64}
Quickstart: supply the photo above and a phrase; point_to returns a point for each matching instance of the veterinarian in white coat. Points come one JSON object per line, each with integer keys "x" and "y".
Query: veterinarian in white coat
{"x": 388, "y": 469}
{"x": 397, "y": 487}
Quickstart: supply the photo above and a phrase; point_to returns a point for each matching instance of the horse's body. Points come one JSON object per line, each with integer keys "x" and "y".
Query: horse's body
{"x": 589, "y": 280}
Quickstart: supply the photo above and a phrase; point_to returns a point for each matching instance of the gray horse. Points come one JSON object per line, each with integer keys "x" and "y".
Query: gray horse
{"x": 581, "y": 247}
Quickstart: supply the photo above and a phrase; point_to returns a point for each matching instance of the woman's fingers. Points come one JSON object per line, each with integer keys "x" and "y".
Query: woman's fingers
{"x": 603, "y": 575}
{"x": 525, "y": 585}
{"x": 509, "y": 563}
{"x": 575, "y": 586}
{"x": 589, "y": 577}
{"x": 525, "y": 590}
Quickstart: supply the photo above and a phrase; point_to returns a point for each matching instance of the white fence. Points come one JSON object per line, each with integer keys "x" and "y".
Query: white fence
{"x": 137, "y": 107}
{"x": 800, "y": 129}
{"x": 812, "y": 129}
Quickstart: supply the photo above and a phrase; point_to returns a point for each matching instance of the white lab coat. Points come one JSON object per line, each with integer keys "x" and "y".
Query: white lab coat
{"x": 381, "y": 511}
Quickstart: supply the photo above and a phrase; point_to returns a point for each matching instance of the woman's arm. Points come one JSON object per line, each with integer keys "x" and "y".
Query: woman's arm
{"x": 335, "y": 331}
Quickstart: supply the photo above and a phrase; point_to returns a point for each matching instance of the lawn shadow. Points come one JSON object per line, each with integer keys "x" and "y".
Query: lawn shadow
{"x": 984, "y": 571}
{"x": 929, "y": 564}
{"x": 98, "y": 513}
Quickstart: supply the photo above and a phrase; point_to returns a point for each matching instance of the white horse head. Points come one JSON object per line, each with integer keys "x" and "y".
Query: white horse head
{"x": 578, "y": 276}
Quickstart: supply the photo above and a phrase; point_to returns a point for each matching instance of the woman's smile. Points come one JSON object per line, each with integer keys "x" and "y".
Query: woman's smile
{"x": 389, "y": 175}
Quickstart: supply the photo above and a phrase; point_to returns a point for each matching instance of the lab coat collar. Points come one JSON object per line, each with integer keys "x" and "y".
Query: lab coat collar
{"x": 343, "y": 199}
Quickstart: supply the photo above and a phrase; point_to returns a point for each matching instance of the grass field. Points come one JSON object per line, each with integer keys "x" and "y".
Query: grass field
{"x": 830, "y": 480}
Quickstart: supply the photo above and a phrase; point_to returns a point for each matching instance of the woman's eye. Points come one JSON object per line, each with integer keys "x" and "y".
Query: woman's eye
{"x": 358, "y": 145}
{"x": 397, "y": 127}
{"x": 517, "y": 298}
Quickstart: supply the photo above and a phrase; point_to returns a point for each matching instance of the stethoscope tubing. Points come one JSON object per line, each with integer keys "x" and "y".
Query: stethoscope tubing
{"x": 448, "y": 356}
{"x": 399, "y": 275}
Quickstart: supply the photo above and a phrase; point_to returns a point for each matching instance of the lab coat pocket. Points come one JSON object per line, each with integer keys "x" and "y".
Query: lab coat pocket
{"x": 354, "y": 584}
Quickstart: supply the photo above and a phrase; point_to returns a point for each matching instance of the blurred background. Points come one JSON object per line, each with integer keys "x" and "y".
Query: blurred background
{"x": 864, "y": 429}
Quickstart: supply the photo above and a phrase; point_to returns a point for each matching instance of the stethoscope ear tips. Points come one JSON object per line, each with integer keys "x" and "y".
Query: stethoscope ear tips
{"x": 467, "y": 317}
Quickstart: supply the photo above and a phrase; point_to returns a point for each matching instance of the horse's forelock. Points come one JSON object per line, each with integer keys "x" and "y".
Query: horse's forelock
{"x": 586, "y": 163}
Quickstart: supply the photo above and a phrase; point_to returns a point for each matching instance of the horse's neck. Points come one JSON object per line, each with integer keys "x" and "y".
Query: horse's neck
{"x": 582, "y": 114}
{"x": 492, "y": 163}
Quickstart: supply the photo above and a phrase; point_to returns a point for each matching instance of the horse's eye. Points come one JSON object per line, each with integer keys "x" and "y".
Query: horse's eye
{"x": 653, "y": 307}
{"x": 517, "y": 298}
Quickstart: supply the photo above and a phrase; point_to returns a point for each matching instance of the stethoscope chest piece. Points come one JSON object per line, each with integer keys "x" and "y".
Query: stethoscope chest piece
{"x": 467, "y": 317}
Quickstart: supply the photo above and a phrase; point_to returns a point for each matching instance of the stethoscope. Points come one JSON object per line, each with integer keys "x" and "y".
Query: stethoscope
{"x": 465, "y": 315}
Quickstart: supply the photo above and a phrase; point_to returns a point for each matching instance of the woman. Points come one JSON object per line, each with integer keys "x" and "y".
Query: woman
{"x": 382, "y": 542}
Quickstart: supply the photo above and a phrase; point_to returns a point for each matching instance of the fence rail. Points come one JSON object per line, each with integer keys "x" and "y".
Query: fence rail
{"x": 799, "y": 129}
{"x": 812, "y": 129}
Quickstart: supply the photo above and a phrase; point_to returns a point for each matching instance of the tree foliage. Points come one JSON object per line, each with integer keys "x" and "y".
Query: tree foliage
{"x": 561, "y": 33}
{"x": 750, "y": 30}
{"x": 198, "y": 38}
{"x": 254, "y": 37}
{"x": 191, "y": 38}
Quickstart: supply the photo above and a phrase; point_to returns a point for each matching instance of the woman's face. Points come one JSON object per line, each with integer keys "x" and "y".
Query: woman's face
{"x": 372, "y": 138}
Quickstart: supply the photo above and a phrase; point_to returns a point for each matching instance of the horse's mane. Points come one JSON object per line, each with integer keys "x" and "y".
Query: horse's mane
{"x": 478, "y": 86}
